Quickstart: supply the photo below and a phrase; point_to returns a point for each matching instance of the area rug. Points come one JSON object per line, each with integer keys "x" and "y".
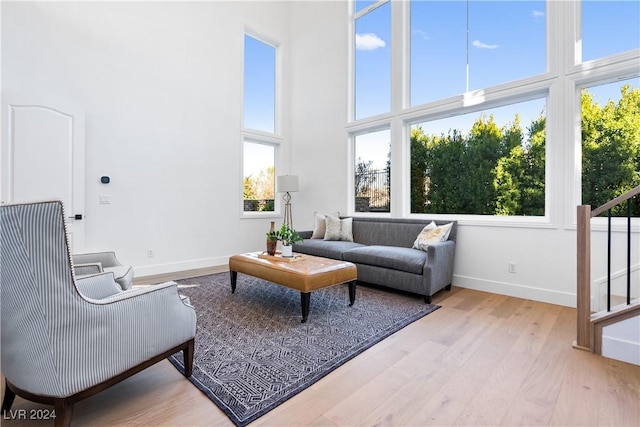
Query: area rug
{"x": 252, "y": 352}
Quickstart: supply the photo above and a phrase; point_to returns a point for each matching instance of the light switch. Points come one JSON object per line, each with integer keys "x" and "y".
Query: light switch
{"x": 105, "y": 199}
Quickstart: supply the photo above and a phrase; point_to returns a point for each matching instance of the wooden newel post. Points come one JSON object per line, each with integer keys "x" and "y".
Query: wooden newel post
{"x": 583, "y": 291}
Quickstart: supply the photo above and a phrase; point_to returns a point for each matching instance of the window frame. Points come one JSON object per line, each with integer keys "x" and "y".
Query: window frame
{"x": 382, "y": 126}
{"x": 605, "y": 70}
{"x": 580, "y": 75}
{"x": 353, "y": 17}
{"x": 271, "y": 142}
{"x": 275, "y": 139}
{"x": 559, "y": 84}
{"x": 277, "y": 96}
{"x": 522, "y": 221}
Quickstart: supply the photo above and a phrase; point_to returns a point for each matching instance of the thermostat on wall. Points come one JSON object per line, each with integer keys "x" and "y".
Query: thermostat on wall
{"x": 105, "y": 179}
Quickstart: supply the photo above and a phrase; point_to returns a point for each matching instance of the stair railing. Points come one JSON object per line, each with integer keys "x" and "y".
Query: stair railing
{"x": 585, "y": 334}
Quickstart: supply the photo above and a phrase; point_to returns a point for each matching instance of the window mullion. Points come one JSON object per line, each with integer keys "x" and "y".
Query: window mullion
{"x": 398, "y": 56}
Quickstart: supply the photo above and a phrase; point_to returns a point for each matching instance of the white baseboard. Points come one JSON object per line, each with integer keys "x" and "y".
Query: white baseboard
{"x": 153, "y": 270}
{"x": 619, "y": 349}
{"x": 516, "y": 290}
{"x": 503, "y": 288}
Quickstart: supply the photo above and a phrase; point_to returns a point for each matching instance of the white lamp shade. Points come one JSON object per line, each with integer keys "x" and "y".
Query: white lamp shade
{"x": 287, "y": 183}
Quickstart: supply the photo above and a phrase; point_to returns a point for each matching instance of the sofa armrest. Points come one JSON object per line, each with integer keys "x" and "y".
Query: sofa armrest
{"x": 305, "y": 234}
{"x": 440, "y": 258}
{"x": 87, "y": 268}
{"x": 107, "y": 259}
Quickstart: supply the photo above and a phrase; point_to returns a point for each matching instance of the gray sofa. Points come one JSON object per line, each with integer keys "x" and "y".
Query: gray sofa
{"x": 382, "y": 251}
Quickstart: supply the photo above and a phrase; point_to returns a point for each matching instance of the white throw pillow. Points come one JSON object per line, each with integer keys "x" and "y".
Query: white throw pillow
{"x": 431, "y": 234}
{"x": 339, "y": 229}
{"x": 320, "y": 224}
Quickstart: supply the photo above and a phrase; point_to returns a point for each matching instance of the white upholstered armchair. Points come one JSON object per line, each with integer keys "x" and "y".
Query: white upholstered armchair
{"x": 63, "y": 339}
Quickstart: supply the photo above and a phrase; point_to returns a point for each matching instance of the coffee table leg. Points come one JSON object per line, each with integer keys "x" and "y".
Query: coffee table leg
{"x": 352, "y": 292}
{"x": 234, "y": 276}
{"x": 305, "y": 299}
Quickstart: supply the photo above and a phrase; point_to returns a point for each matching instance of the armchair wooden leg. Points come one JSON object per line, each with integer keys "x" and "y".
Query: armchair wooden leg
{"x": 64, "y": 412}
{"x": 187, "y": 353}
{"x": 9, "y": 397}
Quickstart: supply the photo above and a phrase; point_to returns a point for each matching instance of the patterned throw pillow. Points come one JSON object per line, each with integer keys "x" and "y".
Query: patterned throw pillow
{"x": 431, "y": 234}
{"x": 320, "y": 224}
{"x": 339, "y": 229}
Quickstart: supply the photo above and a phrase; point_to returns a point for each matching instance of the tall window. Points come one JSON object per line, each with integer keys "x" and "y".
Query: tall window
{"x": 610, "y": 143}
{"x": 259, "y": 85}
{"x": 610, "y": 112}
{"x": 460, "y": 46}
{"x": 259, "y": 176}
{"x": 474, "y": 78}
{"x": 488, "y": 163}
{"x": 260, "y": 142}
{"x": 373, "y": 62}
{"x": 373, "y": 171}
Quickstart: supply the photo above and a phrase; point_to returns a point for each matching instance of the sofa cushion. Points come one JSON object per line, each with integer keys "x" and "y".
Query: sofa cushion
{"x": 324, "y": 248}
{"x": 395, "y": 258}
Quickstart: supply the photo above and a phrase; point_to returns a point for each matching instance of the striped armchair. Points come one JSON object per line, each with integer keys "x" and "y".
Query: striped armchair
{"x": 64, "y": 339}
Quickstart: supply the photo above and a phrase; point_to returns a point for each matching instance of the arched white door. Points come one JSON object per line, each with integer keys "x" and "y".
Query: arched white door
{"x": 45, "y": 152}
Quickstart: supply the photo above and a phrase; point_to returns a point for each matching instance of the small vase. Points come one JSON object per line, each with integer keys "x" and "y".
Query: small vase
{"x": 287, "y": 251}
{"x": 271, "y": 242}
{"x": 271, "y": 247}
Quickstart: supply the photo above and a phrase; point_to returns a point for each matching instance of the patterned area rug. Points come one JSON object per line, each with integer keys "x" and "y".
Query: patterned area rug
{"x": 252, "y": 353}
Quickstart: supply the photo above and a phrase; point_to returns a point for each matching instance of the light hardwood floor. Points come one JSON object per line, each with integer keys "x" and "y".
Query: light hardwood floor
{"x": 480, "y": 360}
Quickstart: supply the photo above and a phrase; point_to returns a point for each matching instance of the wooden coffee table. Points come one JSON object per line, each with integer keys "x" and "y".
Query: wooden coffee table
{"x": 306, "y": 274}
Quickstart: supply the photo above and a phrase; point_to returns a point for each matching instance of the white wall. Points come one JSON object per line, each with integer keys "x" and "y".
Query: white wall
{"x": 319, "y": 108}
{"x": 161, "y": 87}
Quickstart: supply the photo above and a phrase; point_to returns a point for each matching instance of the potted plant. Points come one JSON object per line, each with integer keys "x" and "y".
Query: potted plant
{"x": 288, "y": 236}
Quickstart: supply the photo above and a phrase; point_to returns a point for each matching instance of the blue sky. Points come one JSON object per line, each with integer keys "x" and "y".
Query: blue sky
{"x": 506, "y": 42}
{"x": 259, "y": 85}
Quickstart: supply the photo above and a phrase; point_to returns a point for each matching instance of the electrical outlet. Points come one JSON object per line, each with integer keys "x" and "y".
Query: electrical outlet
{"x": 150, "y": 253}
{"x": 105, "y": 199}
{"x": 512, "y": 267}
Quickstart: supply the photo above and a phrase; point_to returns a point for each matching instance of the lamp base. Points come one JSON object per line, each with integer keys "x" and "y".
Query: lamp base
{"x": 288, "y": 218}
